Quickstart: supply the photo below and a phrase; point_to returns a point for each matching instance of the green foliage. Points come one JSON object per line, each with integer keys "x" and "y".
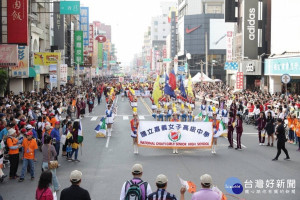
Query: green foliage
{"x": 3, "y": 80}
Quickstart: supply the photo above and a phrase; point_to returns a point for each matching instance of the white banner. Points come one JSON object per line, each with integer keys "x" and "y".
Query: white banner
{"x": 182, "y": 135}
{"x": 63, "y": 73}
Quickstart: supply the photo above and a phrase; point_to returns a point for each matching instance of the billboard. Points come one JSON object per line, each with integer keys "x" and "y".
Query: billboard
{"x": 230, "y": 11}
{"x": 218, "y": 32}
{"x": 229, "y": 45}
{"x": 17, "y": 22}
{"x": 69, "y": 7}
{"x": 58, "y": 27}
{"x": 251, "y": 29}
{"x": 279, "y": 66}
{"x": 22, "y": 69}
{"x": 46, "y": 59}
{"x": 84, "y": 24}
{"x": 78, "y": 47}
{"x": 8, "y": 55}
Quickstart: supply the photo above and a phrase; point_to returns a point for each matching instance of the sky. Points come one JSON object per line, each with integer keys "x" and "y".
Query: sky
{"x": 129, "y": 20}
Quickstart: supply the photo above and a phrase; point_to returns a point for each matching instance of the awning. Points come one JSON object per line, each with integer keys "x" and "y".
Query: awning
{"x": 32, "y": 73}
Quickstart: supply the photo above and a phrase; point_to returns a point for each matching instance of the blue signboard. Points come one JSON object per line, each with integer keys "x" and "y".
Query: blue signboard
{"x": 69, "y": 7}
{"x": 279, "y": 66}
{"x": 231, "y": 66}
{"x": 181, "y": 68}
{"x": 84, "y": 24}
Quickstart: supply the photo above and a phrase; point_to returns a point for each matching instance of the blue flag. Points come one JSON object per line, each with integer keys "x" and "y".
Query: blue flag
{"x": 168, "y": 90}
{"x": 182, "y": 90}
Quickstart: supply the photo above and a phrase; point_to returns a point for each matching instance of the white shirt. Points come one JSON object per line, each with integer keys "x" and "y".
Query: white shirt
{"x": 123, "y": 193}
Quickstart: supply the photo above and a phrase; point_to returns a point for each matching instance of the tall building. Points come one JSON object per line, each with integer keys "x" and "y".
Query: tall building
{"x": 202, "y": 30}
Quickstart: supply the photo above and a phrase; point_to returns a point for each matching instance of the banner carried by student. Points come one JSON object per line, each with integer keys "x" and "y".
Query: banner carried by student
{"x": 182, "y": 135}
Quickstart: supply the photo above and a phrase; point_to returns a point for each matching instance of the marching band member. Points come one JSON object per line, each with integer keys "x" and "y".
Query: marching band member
{"x": 160, "y": 116}
{"x": 210, "y": 110}
{"x": 239, "y": 131}
{"x": 215, "y": 129}
{"x": 224, "y": 114}
{"x": 183, "y": 116}
{"x": 109, "y": 119}
{"x": 203, "y": 108}
{"x": 154, "y": 114}
{"x": 231, "y": 126}
{"x": 190, "y": 117}
{"x": 170, "y": 113}
{"x": 134, "y": 123}
{"x": 175, "y": 119}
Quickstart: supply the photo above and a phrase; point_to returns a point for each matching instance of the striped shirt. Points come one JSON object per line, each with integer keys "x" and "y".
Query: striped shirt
{"x": 161, "y": 194}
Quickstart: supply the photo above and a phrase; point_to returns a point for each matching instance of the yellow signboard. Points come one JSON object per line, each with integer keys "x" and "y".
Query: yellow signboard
{"x": 47, "y": 58}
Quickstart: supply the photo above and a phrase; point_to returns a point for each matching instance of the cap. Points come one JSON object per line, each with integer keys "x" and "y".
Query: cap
{"x": 23, "y": 130}
{"x": 75, "y": 176}
{"x": 29, "y": 133}
{"x": 161, "y": 179}
{"x": 47, "y": 127}
{"x": 137, "y": 169}
{"x": 44, "y": 113}
{"x": 51, "y": 114}
{"x": 2, "y": 115}
{"x": 32, "y": 122}
{"x": 11, "y": 131}
{"x": 22, "y": 123}
{"x": 8, "y": 105}
{"x": 57, "y": 123}
{"x": 29, "y": 126}
{"x": 206, "y": 179}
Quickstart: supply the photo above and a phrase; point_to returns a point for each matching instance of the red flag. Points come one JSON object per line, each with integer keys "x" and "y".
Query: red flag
{"x": 172, "y": 80}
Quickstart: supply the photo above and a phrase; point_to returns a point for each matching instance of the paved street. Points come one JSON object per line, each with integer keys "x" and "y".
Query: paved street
{"x": 107, "y": 164}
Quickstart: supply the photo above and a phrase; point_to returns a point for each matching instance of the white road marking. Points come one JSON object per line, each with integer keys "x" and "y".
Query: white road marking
{"x": 107, "y": 142}
{"x": 125, "y": 117}
{"x": 141, "y": 117}
{"x": 235, "y": 142}
{"x": 250, "y": 133}
{"x": 94, "y": 118}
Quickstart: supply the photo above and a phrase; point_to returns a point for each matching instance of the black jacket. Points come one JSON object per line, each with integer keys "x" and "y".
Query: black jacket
{"x": 74, "y": 192}
{"x": 280, "y": 132}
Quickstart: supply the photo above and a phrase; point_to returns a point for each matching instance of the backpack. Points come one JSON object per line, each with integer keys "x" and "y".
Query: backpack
{"x": 134, "y": 191}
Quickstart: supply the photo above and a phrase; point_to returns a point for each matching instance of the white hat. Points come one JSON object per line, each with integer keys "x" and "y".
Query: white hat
{"x": 206, "y": 179}
{"x": 161, "y": 179}
{"x": 137, "y": 169}
{"x": 11, "y": 131}
{"x": 29, "y": 126}
{"x": 75, "y": 176}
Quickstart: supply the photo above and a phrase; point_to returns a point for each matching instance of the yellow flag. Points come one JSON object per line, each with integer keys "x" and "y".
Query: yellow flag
{"x": 157, "y": 93}
{"x": 190, "y": 87}
{"x": 182, "y": 106}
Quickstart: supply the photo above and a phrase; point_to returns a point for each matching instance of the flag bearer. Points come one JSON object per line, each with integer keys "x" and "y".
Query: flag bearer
{"x": 134, "y": 123}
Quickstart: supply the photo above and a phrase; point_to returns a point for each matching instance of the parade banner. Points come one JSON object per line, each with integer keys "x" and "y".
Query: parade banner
{"x": 181, "y": 135}
{"x": 17, "y": 22}
{"x": 22, "y": 69}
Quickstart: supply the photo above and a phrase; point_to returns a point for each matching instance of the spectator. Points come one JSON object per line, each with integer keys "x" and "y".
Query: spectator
{"x": 137, "y": 172}
{"x": 161, "y": 193}
{"x": 43, "y": 191}
{"x": 75, "y": 192}
{"x": 205, "y": 192}
{"x": 13, "y": 144}
{"x": 55, "y": 135}
{"x": 29, "y": 151}
{"x": 49, "y": 153}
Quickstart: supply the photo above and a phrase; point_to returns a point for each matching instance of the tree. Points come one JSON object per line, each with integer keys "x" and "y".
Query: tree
{"x": 3, "y": 81}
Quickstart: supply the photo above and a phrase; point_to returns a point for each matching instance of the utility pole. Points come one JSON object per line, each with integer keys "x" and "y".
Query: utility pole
{"x": 206, "y": 55}
{"x": 201, "y": 63}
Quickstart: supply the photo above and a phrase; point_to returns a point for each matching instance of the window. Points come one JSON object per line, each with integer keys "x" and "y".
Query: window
{"x": 164, "y": 37}
{"x": 155, "y": 30}
{"x": 155, "y": 37}
{"x": 155, "y": 23}
{"x": 164, "y": 29}
{"x": 213, "y": 8}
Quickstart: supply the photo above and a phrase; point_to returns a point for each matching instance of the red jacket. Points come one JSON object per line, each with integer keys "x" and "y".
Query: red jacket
{"x": 134, "y": 125}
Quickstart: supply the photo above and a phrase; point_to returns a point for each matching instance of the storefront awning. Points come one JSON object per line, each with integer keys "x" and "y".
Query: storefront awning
{"x": 32, "y": 73}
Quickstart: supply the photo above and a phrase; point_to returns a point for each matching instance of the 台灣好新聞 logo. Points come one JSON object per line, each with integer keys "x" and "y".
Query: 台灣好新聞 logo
{"x": 233, "y": 185}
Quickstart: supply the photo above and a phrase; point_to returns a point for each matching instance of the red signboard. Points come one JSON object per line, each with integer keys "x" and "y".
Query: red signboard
{"x": 239, "y": 80}
{"x": 101, "y": 38}
{"x": 17, "y": 22}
